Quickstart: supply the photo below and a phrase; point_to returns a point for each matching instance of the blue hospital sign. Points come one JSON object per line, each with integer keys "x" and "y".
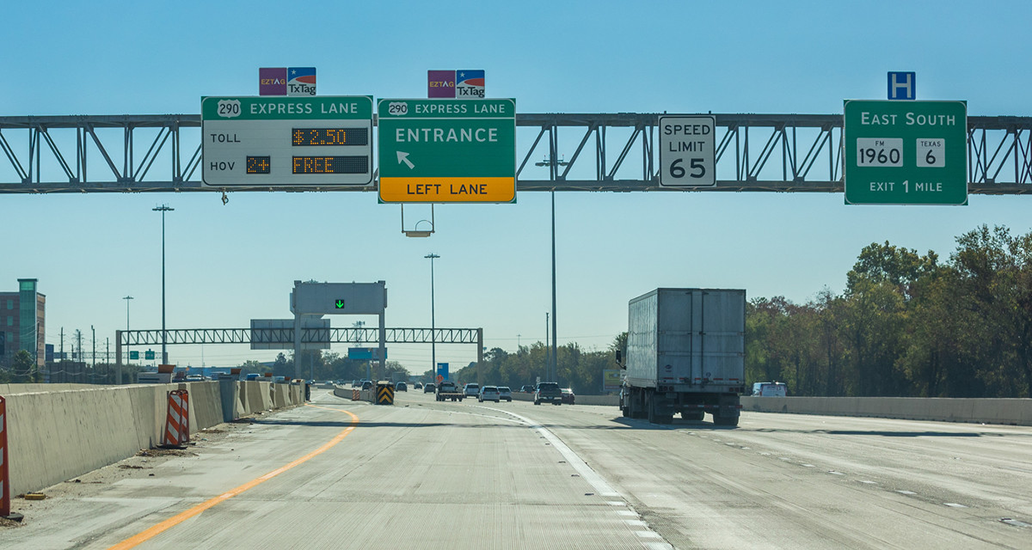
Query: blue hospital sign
{"x": 903, "y": 85}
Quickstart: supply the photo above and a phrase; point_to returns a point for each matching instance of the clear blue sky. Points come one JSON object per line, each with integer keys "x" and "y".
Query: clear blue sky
{"x": 229, "y": 264}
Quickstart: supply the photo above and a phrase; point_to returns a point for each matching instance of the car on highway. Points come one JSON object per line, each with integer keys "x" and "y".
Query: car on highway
{"x": 429, "y": 387}
{"x": 367, "y": 385}
{"x": 471, "y": 390}
{"x": 488, "y": 393}
{"x": 769, "y": 389}
{"x": 505, "y": 393}
{"x": 568, "y": 396}
{"x": 527, "y": 388}
{"x": 418, "y": 385}
{"x": 548, "y": 392}
{"x": 401, "y": 386}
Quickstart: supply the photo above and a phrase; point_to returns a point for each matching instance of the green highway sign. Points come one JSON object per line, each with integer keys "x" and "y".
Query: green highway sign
{"x": 284, "y": 142}
{"x": 905, "y": 152}
{"x": 133, "y": 355}
{"x": 447, "y": 150}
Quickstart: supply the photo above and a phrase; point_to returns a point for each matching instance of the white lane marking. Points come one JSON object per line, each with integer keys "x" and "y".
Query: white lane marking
{"x": 591, "y": 476}
{"x": 809, "y": 466}
{"x": 636, "y": 523}
{"x": 869, "y": 482}
{"x": 616, "y": 503}
{"x": 906, "y": 492}
{"x": 954, "y": 505}
{"x": 834, "y": 473}
{"x": 598, "y": 482}
{"x": 627, "y": 513}
{"x": 658, "y": 546}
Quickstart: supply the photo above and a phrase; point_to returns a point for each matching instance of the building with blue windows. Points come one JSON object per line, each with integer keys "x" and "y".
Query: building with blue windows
{"x": 23, "y": 323}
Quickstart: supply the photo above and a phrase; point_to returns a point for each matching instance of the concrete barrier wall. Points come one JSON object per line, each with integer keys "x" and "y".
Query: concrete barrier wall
{"x": 56, "y": 434}
{"x": 989, "y": 411}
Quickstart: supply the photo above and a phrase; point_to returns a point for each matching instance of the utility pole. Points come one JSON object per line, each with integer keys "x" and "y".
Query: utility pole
{"x": 62, "y": 343}
{"x": 94, "y": 356}
{"x": 78, "y": 341}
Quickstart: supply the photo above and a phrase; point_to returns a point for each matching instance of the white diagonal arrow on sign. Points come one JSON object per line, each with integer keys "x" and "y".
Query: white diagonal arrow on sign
{"x": 403, "y": 157}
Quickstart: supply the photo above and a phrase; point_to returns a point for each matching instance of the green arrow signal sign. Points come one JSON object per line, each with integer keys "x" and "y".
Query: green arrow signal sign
{"x": 339, "y": 303}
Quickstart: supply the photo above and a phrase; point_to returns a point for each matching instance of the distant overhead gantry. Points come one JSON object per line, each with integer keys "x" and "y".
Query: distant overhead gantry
{"x": 561, "y": 152}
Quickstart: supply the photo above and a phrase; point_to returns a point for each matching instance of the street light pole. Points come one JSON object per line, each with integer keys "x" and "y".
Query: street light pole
{"x": 553, "y": 165}
{"x": 127, "y": 298}
{"x": 433, "y": 325}
{"x": 555, "y": 349}
{"x": 164, "y": 344}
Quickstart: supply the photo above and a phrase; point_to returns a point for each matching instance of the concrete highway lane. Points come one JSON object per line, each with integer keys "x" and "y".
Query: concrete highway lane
{"x": 423, "y": 474}
{"x": 419, "y": 474}
{"x": 795, "y": 481}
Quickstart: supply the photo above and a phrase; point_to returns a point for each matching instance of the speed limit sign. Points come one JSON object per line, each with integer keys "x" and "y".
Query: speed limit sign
{"x": 686, "y": 151}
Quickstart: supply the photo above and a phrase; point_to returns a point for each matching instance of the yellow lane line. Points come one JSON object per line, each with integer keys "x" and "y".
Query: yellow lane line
{"x": 148, "y": 534}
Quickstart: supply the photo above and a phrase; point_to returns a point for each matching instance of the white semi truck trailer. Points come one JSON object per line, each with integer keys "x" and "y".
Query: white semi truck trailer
{"x": 685, "y": 354}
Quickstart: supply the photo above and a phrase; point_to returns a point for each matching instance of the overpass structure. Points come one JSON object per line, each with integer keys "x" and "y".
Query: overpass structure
{"x": 615, "y": 152}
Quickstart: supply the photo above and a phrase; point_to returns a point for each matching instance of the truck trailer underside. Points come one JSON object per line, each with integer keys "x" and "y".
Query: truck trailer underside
{"x": 659, "y": 407}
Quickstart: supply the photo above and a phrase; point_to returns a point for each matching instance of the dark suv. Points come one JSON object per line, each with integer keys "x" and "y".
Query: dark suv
{"x": 548, "y": 391}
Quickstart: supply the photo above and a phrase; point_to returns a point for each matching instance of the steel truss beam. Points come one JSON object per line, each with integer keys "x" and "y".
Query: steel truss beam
{"x": 577, "y": 152}
{"x": 285, "y": 336}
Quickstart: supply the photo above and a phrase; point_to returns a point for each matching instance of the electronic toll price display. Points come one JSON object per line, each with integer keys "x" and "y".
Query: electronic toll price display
{"x": 287, "y": 142}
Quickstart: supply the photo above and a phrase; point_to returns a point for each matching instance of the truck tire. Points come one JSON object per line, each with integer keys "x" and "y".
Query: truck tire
{"x": 653, "y": 413}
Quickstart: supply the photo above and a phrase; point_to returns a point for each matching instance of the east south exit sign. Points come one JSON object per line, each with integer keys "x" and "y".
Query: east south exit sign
{"x": 905, "y": 152}
{"x": 447, "y": 150}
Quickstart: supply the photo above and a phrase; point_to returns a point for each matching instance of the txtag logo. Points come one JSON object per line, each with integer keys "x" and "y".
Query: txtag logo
{"x": 469, "y": 84}
{"x": 301, "y": 81}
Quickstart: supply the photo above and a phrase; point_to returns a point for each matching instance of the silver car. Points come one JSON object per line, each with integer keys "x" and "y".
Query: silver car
{"x": 488, "y": 393}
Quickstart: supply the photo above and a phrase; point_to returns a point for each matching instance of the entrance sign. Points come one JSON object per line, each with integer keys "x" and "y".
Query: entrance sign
{"x": 447, "y": 150}
{"x": 687, "y": 147}
{"x": 284, "y": 142}
{"x": 912, "y": 152}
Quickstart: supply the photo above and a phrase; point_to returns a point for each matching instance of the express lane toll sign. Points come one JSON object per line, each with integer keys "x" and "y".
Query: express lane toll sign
{"x": 284, "y": 142}
{"x": 447, "y": 150}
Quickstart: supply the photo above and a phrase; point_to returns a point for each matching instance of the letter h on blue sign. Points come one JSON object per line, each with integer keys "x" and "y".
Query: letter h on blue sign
{"x": 902, "y": 85}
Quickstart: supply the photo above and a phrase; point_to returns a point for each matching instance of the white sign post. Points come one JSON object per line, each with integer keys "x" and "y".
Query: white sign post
{"x": 687, "y": 146}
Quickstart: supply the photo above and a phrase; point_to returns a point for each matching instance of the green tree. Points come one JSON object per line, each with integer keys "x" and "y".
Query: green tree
{"x": 24, "y": 368}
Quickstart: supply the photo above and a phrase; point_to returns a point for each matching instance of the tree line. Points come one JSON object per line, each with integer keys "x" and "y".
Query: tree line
{"x": 907, "y": 325}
